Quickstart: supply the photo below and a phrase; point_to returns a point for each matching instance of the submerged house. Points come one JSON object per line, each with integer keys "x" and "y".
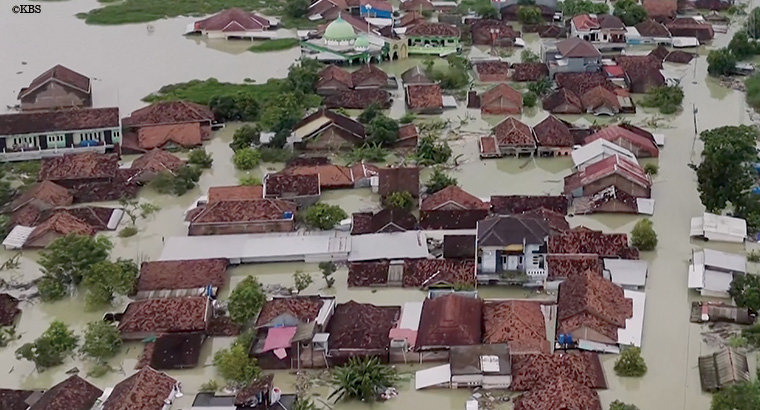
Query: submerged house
{"x": 517, "y": 204}
{"x": 447, "y": 321}
{"x": 581, "y": 240}
{"x": 492, "y": 71}
{"x": 519, "y": 323}
{"x": 151, "y": 317}
{"x": 413, "y": 273}
{"x": 573, "y": 55}
{"x": 56, "y": 88}
{"x": 495, "y": 33}
{"x": 90, "y": 177}
{"x": 304, "y": 190}
{"x": 513, "y": 137}
{"x": 598, "y": 150}
{"x": 433, "y": 38}
{"x": 73, "y": 393}
{"x": 155, "y": 162}
{"x": 553, "y": 137}
{"x": 147, "y": 389}
{"x": 180, "y": 277}
{"x": 522, "y": 72}
{"x": 400, "y": 179}
{"x": 604, "y": 29}
{"x": 167, "y": 125}
{"x": 636, "y": 140}
{"x": 360, "y": 330}
{"x": 512, "y": 248}
{"x": 642, "y": 72}
{"x": 424, "y": 98}
{"x": 452, "y": 208}
{"x": 711, "y": 272}
{"x": 501, "y": 99}
{"x": 625, "y": 175}
{"x": 233, "y": 23}
{"x": 722, "y": 369}
{"x": 327, "y": 130}
{"x": 238, "y": 217}
{"x": 386, "y": 220}
{"x": 333, "y": 176}
{"x": 719, "y": 228}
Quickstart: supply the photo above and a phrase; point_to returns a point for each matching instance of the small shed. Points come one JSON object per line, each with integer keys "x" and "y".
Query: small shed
{"x": 627, "y": 273}
{"x": 711, "y": 271}
{"x": 487, "y": 366}
{"x": 723, "y": 368}
{"x": 438, "y": 376}
{"x": 721, "y": 228}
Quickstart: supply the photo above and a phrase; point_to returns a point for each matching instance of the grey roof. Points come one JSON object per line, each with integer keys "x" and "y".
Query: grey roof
{"x": 610, "y": 21}
{"x": 466, "y": 360}
{"x": 575, "y": 47}
{"x": 415, "y": 75}
{"x": 503, "y": 230}
{"x": 723, "y": 368}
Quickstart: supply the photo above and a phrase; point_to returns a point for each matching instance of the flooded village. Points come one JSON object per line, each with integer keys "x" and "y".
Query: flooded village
{"x": 442, "y": 191}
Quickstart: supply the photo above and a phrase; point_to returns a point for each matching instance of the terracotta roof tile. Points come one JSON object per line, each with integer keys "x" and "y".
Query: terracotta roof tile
{"x": 563, "y": 101}
{"x": 481, "y": 31}
{"x": 334, "y": 73}
{"x": 185, "y": 135}
{"x": 532, "y": 371}
{"x": 433, "y": 30}
{"x": 563, "y": 393}
{"x": 386, "y": 220}
{"x": 492, "y": 67}
{"x": 580, "y": 83}
{"x": 424, "y": 96}
{"x": 586, "y": 22}
{"x": 235, "y": 193}
{"x": 529, "y": 71}
{"x": 599, "y": 97}
{"x": 155, "y": 316}
{"x": 88, "y": 165}
{"x": 614, "y": 132}
{"x": 450, "y": 320}
{"x": 660, "y": 8}
{"x": 169, "y": 112}
{"x": 62, "y": 223}
{"x": 303, "y": 308}
{"x": 50, "y": 121}
{"x": 563, "y": 266}
{"x": 248, "y": 397}
{"x": 453, "y": 198}
{"x": 47, "y": 192}
{"x": 176, "y": 351}
{"x": 399, "y": 180}
{"x": 679, "y": 57}
{"x": 417, "y": 5}
{"x": 575, "y": 47}
{"x": 556, "y": 221}
{"x": 373, "y": 273}
{"x": 157, "y": 161}
{"x": 240, "y": 19}
{"x": 411, "y": 18}
{"x": 513, "y": 132}
{"x": 553, "y": 132}
{"x": 358, "y": 99}
{"x": 451, "y": 219}
{"x": 369, "y": 75}
{"x": 147, "y": 389}
{"x": 253, "y": 210}
{"x": 182, "y": 274}
{"x": 500, "y": 95}
{"x": 515, "y": 322}
{"x": 283, "y": 185}
{"x": 615, "y": 165}
{"x": 362, "y": 326}
{"x": 586, "y": 241}
{"x": 15, "y": 399}
{"x": 60, "y": 74}
{"x": 330, "y": 176}
{"x": 651, "y": 28}
{"x": 424, "y": 273}
{"x": 74, "y": 393}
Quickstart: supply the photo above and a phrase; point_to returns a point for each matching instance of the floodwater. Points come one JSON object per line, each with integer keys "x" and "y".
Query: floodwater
{"x": 129, "y": 62}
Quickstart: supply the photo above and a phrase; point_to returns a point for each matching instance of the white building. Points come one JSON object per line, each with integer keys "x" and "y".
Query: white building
{"x": 719, "y": 228}
{"x": 598, "y": 150}
{"x": 711, "y": 272}
{"x": 627, "y": 273}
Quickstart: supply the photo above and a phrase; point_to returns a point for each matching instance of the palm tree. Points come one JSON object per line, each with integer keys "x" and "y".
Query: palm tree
{"x": 362, "y": 378}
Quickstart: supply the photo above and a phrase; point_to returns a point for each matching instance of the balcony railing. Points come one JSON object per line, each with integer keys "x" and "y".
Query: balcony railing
{"x": 32, "y": 154}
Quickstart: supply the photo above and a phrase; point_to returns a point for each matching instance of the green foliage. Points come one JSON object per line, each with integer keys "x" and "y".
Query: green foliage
{"x": 541, "y": 87}
{"x": 439, "y": 180}
{"x": 369, "y": 113}
{"x": 67, "y": 260}
{"x": 245, "y": 137}
{"x": 742, "y": 47}
{"x": 750, "y": 336}
{"x": 739, "y": 396}
{"x": 235, "y": 366}
{"x": 302, "y": 280}
{"x": 619, "y": 405}
{"x": 753, "y": 256}
{"x": 383, "y": 131}
{"x": 143, "y": 11}
{"x": 246, "y": 159}
{"x": 276, "y": 44}
{"x": 408, "y": 118}
{"x": 643, "y": 236}
{"x": 651, "y": 169}
{"x": 752, "y": 24}
{"x": 362, "y": 379}
{"x": 487, "y": 11}
{"x": 323, "y": 216}
{"x": 105, "y": 279}
{"x": 102, "y": 340}
{"x": 200, "y": 158}
{"x": 630, "y": 363}
{"x": 528, "y": 56}
{"x": 529, "y": 99}
{"x": 178, "y": 183}
{"x": 249, "y": 180}
{"x": 328, "y": 268}
{"x": 246, "y": 300}
{"x": 745, "y": 290}
{"x": 753, "y": 91}
{"x": 453, "y": 78}
{"x": 7, "y": 335}
{"x": 529, "y": 14}
{"x": 209, "y": 387}
{"x": 367, "y": 152}
{"x": 668, "y": 98}
{"x": 134, "y": 209}
{"x": 50, "y": 348}
{"x": 431, "y": 151}
{"x": 400, "y": 200}
{"x": 304, "y": 403}
{"x": 237, "y": 106}
{"x": 721, "y": 62}
{"x": 572, "y": 8}
{"x": 302, "y": 77}
{"x": 269, "y": 154}
{"x": 630, "y": 12}
{"x": 205, "y": 91}
{"x": 282, "y": 115}
{"x": 128, "y": 231}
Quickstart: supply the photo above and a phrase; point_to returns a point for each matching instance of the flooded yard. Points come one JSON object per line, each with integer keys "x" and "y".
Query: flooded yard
{"x": 129, "y": 62}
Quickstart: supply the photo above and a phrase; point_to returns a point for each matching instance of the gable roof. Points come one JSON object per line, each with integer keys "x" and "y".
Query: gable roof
{"x": 556, "y": 221}
{"x": 11, "y": 399}
{"x": 59, "y": 74}
{"x": 399, "y": 179}
{"x": 182, "y": 274}
{"x": 303, "y": 308}
{"x": 235, "y": 193}
{"x": 610, "y": 21}
{"x": 581, "y": 83}
{"x": 564, "y": 98}
{"x": 499, "y": 91}
{"x": 651, "y": 28}
{"x": 62, "y": 223}
{"x": 74, "y": 393}
{"x": 599, "y": 97}
{"x": 562, "y": 393}
{"x": 330, "y": 175}
{"x": 334, "y": 73}
{"x": 233, "y": 20}
{"x": 415, "y": 75}
{"x": 529, "y": 71}
{"x": 492, "y": 67}
{"x": 352, "y": 126}
{"x": 238, "y": 211}
{"x": 421, "y": 96}
{"x": 169, "y": 112}
{"x": 145, "y": 390}
{"x": 511, "y": 131}
{"x": 456, "y": 196}
{"x": 58, "y": 121}
{"x": 171, "y": 315}
{"x": 660, "y": 8}
{"x": 157, "y": 160}
{"x": 361, "y": 326}
{"x": 424, "y": 273}
{"x": 358, "y": 99}
{"x": 586, "y": 22}
{"x": 504, "y": 230}
{"x": 88, "y": 165}
{"x": 520, "y": 323}
{"x": 615, "y": 164}
{"x": 591, "y": 301}
{"x": 433, "y": 29}
{"x": 48, "y": 192}
{"x": 369, "y": 73}
{"x": 563, "y": 266}
{"x": 575, "y": 47}
{"x": 532, "y": 371}
{"x": 186, "y": 135}
{"x": 613, "y": 132}
{"x": 276, "y": 185}
{"x": 583, "y": 240}
{"x": 450, "y": 320}
{"x": 553, "y": 132}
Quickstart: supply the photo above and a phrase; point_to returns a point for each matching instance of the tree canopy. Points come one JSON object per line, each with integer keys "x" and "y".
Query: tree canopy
{"x": 739, "y": 396}
{"x": 362, "y": 379}
{"x": 643, "y": 236}
{"x": 745, "y": 290}
{"x": 51, "y": 348}
{"x": 101, "y": 340}
{"x": 439, "y": 180}
{"x": 399, "y": 200}
{"x": 529, "y": 14}
{"x": 67, "y": 260}
{"x": 246, "y": 300}
{"x": 572, "y": 8}
{"x": 245, "y": 137}
{"x": 324, "y": 216}
{"x": 383, "y": 130}
{"x": 619, "y": 405}
{"x": 721, "y": 62}
{"x": 630, "y": 363}
{"x": 105, "y": 279}
{"x": 200, "y": 158}
{"x": 369, "y": 113}
{"x": 431, "y": 150}
{"x": 668, "y": 98}
{"x": 246, "y": 158}
{"x": 630, "y": 12}
{"x": 235, "y": 365}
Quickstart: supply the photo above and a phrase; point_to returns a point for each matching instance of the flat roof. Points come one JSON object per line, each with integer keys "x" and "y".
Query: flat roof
{"x": 719, "y": 227}
{"x": 632, "y": 333}
{"x": 721, "y": 260}
{"x": 432, "y": 377}
{"x": 627, "y": 272}
{"x": 395, "y": 245}
{"x": 410, "y": 316}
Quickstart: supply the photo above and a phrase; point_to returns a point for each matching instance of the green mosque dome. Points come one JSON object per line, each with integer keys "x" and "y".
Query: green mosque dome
{"x": 362, "y": 42}
{"x": 339, "y": 30}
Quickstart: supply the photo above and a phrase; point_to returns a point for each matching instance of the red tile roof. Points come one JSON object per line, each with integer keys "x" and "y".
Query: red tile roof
{"x": 182, "y": 274}
{"x": 362, "y": 326}
{"x": 581, "y": 83}
{"x": 532, "y": 371}
{"x": 147, "y": 389}
{"x": 62, "y": 223}
{"x": 484, "y": 31}
{"x": 529, "y": 71}
{"x": 660, "y": 8}
{"x": 591, "y": 302}
{"x": 450, "y": 320}
{"x": 417, "y": 5}
{"x": 492, "y": 67}
{"x": 358, "y": 99}
{"x": 362, "y": 274}
{"x": 253, "y": 210}
{"x": 453, "y": 198}
{"x": 433, "y": 30}
{"x": 283, "y": 185}
{"x": 556, "y": 221}
{"x": 87, "y": 165}
{"x": 615, "y": 165}
{"x": 651, "y": 28}
{"x": 157, "y": 161}
{"x": 155, "y": 316}
{"x": 169, "y": 112}
{"x": 303, "y": 308}
{"x": 8, "y": 309}
{"x": 47, "y": 192}
{"x": 74, "y": 393}
{"x": 563, "y": 101}
{"x": 614, "y": 132}
{"x": 233, "y": 20}
{"x": 575, "y": 47}
{"x": 606, "y": 245}
{"x": 235, "y": 193}
{"x": 586, "y": 22}
{"x": 334, "y": 73}
{"x": 424, "y": 96}
{"x": 386, "y": 220}
{"x": 59, "y": 74}
{"x": 451, "y": 219}
{"x": 369, "y": 75}
{"x": 519, "y": 323}
{"x": 513, "y": 132}
{"x": 599, "y": 97}
{"x": 399, "y": 180}
{"x": 247, "y": 396}
{"x": 15, "y": 399}
{"x": 330, "y": 176}
{"x": 185, "y": 135}
{"x": 553, "y": 132}
{"x": 562, "y": 393}
{"x": 425, "y": 273}
{"x": 501, "y": 95}
{"x": 58, "y": 121}
{"x": 563, "y": 266}
{"x": 488, "y": 146}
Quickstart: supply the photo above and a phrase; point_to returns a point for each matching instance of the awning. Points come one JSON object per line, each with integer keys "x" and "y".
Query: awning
{"x": 279, "y": 338}
{"x": 434, "y": 376}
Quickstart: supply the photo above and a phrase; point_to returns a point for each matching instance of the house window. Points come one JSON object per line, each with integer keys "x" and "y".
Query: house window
{"x": 504, "y": 259}
{"x": 56, "y": 141}
{"x": 116, "y": 135}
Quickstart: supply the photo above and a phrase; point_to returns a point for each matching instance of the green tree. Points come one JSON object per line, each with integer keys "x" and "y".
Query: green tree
{"x": 721, "y": 62}
{"x": 486, "y": 11}
{"x": 752, "y": 24}
{"x": 328, "y": 268}
{"x": 643, "y": 236}
{"x": 751, "y": 335}
{"x": 323, "y": 216}
{"x": 101, "y": 340}
{"x": 237, "y": 106}
{"x": 619, "y": 405}
{"x": 745, "y": 290}
{"x": 177, "y": 183}
{"x": 302, "y": 78}
{"x": 630, "y": 363}
{"x": 399, "y": 200}
{"x": 540, "y": 87}
{"x": 51, "y": 348}
{"x": 651, "y": 169}
{"x": 236, "y": 366}
{"x": 528, "y": 56}
{"x": 630, "y": 12}
{"x": 362, "y": 379}
{"x": 668, "y": 98}
{"x": 738, "y": 396}
{"x": 245, "y": 137}
{"x": 408, "y": 118}
{"x": 249, "y": 180}
{"x": 200, "y": 158}
{"x": 383, "y": 130}
{"x": 572, "y": 8}
{"x": 246, "y": 158}
{"x": 281, "y": 115}
{"x": 296, "y": 8}
{"x": 66, "y": 260}
{"x": 439, "y": 180}
{"x": 51, "y": 289}
{"x": 529, "y": 14}
{"x": 105, "y": 279}
{"x": 530, "y": 99}
{"x": 742, "y": 47}
{"x": 304, "y": 403}
{"x": 302, "y": 280}
{"x": 246, "y": 300}
{"x": 369, "y": 113}
{"x": 431, "y": 151}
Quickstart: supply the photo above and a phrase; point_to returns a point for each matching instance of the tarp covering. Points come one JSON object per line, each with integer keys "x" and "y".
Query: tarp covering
{"x": 279, "y": 338}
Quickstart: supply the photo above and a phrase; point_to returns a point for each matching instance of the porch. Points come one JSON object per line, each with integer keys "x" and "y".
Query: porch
{"x": 31, "y": 154}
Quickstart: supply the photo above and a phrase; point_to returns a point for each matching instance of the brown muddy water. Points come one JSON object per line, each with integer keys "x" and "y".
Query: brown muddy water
{"x": 128, "y": 62}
